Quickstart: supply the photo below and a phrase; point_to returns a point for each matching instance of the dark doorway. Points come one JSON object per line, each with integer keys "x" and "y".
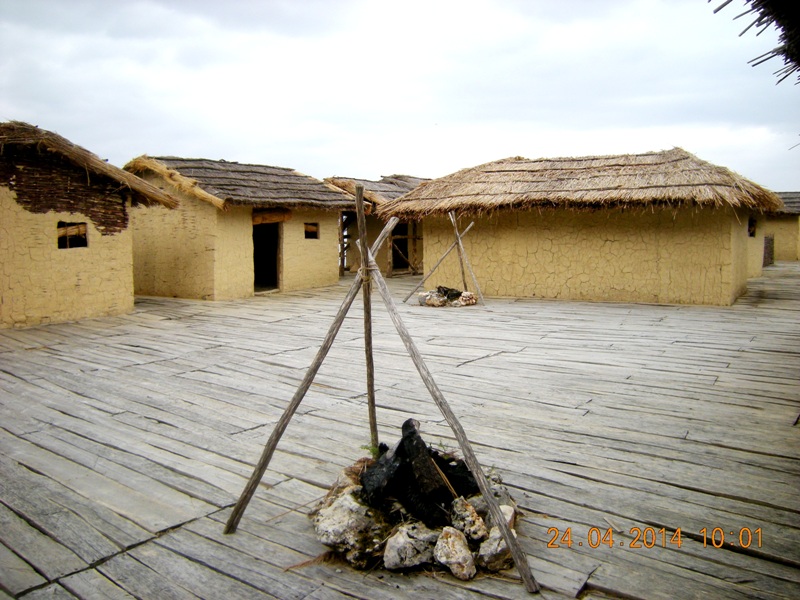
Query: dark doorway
{"x": 400, "y": 258}
{"x": 266, "y": 239}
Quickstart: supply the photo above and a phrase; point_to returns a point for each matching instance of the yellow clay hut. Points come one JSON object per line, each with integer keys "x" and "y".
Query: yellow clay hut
{"x": 239, "y": 229}
{"x": 662, "y": 227}
{"x": 783, "y": 225}
{"x": 65, "y": 240}
{"x": 403, "y": 252}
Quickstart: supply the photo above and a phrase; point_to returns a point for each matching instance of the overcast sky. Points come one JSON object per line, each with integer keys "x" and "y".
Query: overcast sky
{"x": 365, "y": 88}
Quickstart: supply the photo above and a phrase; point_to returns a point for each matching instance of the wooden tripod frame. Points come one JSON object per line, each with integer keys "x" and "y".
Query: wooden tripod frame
{"x": 463, "y": 260}
{"x": 362, "y": 282}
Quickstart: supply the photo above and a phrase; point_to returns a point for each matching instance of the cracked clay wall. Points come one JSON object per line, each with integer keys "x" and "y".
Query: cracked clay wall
{"x": 684, "y": 256}
{"x": 42, "y": 283}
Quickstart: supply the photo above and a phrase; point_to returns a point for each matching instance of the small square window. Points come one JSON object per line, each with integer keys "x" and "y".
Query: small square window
{"x": 72, "y": 235}
{"x": 751, "y": 227}
{"x": 311, "y": 231}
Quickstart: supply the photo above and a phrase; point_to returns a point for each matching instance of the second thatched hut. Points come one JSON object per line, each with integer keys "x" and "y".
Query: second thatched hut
{"x": 662, "y": 227}
{"x": 239, "y": 229}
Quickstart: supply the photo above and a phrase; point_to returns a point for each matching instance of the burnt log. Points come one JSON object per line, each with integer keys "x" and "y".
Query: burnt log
{"x": 421, "y": 479}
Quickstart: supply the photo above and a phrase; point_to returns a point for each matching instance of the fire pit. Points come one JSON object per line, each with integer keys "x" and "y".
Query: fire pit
{"x": 413, "y": 507}
{"x": 445, "y": 296}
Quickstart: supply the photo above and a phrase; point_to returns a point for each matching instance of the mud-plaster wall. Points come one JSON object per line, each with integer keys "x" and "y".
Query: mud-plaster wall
{"x": 309, "y": 263}
{"x": 666, "y": 256}
{"x": 173, "y": 250}
{"x": 40, "y": 283}
{"x": 786, "y": 231}
{"x": 755, "y": 249}
{"x": 233, "y": 267}
{"x": 193, "y": 251}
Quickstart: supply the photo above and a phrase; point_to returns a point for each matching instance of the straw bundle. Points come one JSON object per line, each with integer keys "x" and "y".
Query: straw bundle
{"x": 668, "y": 178}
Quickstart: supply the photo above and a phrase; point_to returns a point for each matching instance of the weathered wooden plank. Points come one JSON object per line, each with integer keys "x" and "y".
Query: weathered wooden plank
{"x": 16, "y": 575}
{"x": 88, "y": 529}
{"x": 45, "y": 554}
{"x": 92, "y": 585}
{"x": 194, "y": 577}
{"x": 153, "y": 506}
{"x": 140, "y": 581}
{"x": 51, "y": 592}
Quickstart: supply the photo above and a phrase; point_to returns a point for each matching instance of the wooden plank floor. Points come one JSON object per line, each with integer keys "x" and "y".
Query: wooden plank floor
{"x": 125, "y": 441}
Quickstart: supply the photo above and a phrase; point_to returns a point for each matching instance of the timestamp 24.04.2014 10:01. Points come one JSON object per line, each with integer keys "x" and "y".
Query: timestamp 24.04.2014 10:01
{"x": 650, "y": 537}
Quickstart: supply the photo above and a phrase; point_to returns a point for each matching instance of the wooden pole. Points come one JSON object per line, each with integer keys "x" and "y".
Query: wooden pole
{"x": 448, "y": 251}
{"x": 283, "y": 422}
{"x": 460, "y": 251}
{"x": 465, "y": 259}
{"x": 520, "y": 558}
{"x": 366, "y": 293}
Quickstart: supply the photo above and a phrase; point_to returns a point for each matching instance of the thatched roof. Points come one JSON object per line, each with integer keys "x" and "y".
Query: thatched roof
{"x": 379, "y": 192}
{"x": 785, "y": 16}
{"x": 16, "y": 134}
{"x": 791, "y": 203}
{"x": 223, "y": 183}
{"x": 671, "y": 177}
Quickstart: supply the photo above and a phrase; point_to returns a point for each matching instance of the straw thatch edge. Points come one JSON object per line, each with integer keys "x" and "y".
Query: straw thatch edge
{"x": 144, "y": 164}
{"x": 19, "y": 133}
{"x": 584, "y": 183}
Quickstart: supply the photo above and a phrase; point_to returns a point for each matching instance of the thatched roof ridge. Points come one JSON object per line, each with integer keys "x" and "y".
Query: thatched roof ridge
{"x": 667, "y": 178}
{"x": 20, "y": 134}
{"x": 379, "y": 192}
{"x": 224, "y": 183}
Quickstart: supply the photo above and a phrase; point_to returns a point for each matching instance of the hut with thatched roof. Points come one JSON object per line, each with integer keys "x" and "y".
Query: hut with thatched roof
{"x": 661, "y": 227}
{"x": 403, "y": 253}
{"x": 65, "y": 242}
{"x": 239, "y": 229}
{"x": 783, "y": 225}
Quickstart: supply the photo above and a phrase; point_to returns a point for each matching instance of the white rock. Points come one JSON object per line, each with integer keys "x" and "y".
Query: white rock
{"x": 351, "y": 528}
{"x": 452, "y": 550}
{"x": 411, "y": 546}
{"x": 466, "y": 520}
{"x": 494, "y": 554}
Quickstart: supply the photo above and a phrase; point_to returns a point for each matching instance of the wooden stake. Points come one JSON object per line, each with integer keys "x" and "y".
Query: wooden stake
{"x": 448, "y": 251}
{"x": 283, "y": 422}
{"x": 520, "y": 558}
{"x": 465, "y": 259}
{"x": 366, "y": 293}
{"x": 460, "y": 251}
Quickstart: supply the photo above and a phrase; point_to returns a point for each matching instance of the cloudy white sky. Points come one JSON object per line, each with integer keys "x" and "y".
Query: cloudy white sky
{"x": 365, "y": 88}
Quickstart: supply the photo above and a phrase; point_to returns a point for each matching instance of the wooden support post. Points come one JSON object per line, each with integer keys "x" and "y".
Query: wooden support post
{"x": 341, "y": 245}
{"x": 429, "y": 273}
{"x": 283, "y": 422}
{"x": 520, "y": 558}
{"x": 465, "y": 259}
{"x": 460, "y": 251}
{"x": 366, "y": 293}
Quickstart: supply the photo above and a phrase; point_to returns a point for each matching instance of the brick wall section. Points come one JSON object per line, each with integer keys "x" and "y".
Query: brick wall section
{"x": 664, "y": 256}
{"x": 40, "y": 283}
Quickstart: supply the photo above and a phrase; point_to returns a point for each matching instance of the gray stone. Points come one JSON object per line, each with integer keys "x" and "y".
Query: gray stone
{"x": 411, "y": 546}
{"x": 452, "y": 551}
{"x": 494, "y": 554}
{"x": 351, "y": 528}
{"x": 466, "y": 520}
